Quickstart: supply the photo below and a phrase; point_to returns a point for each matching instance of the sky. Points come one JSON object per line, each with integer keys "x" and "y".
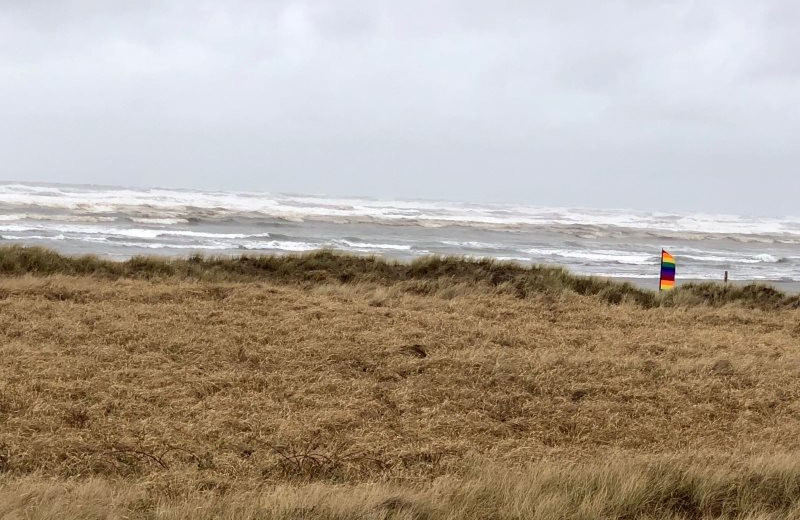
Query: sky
{"x": 668, "y": 105}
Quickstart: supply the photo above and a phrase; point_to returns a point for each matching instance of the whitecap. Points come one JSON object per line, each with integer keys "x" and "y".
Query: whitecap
{"x": 170, "y": 205}
{"x": 368, "y": 246}
{"x": 601, "y": 255}
{"x": 281, "y": 245}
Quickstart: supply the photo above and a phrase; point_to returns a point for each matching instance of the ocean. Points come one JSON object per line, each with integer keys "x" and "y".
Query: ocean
{"x": 122, "y": 222}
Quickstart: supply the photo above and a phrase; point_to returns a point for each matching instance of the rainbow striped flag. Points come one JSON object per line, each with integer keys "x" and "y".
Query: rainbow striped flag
{"x": 667, "y": 272}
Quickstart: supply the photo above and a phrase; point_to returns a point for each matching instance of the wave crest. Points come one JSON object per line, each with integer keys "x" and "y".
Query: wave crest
{"x": 170, "y": 207}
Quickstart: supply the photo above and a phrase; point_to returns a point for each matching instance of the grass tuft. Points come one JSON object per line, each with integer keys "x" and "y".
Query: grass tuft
{"x": 426, "y": 275}
{"x": 431, "y": 274}
{"x": 657, "y": 488}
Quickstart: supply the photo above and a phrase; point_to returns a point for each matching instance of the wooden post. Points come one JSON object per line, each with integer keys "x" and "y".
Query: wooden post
{"x": 726, "y": 276}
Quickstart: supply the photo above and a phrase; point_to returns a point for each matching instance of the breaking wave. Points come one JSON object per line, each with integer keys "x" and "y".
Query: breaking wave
{"x": 128, "y": 221}
{"x": 173, "y": 207}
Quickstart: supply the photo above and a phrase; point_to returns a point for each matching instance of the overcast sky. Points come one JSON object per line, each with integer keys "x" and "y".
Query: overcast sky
{"x": 687, "y": 105}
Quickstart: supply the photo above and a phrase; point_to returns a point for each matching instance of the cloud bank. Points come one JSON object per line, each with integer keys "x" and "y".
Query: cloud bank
{"x": 645, "y": 104}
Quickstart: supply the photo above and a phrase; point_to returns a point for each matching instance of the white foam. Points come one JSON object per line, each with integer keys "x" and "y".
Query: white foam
{"x": 170, "y": 205}
{"x": 32, "y": 237}
{"x": 734, "y": 259}
{"x": 767, "y": 258}
{"x": 622, "y": 275}
{"x": 160, "y": 221}
{"x": 208, "y": 245}
{"x": 622, "y": 257}
{"x": 474, "y": 245}
{"x": 11, "y": 217}
{"x": 360, "y": 246}
{"x": 167, "y": 246}
{"x": 280, "y": 245}
{"x": 143, "y": 233}
{"x": 512, "y": 258}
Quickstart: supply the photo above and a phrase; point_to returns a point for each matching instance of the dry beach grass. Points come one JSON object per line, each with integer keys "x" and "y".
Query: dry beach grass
{"x": 198, "y": 390}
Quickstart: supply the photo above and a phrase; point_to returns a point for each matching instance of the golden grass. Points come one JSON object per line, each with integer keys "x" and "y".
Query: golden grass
{"x": 665, "y": 489}
{"x": 173, "y": 398}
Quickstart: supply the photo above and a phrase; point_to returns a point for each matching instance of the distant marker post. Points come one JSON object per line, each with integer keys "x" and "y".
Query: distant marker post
{"x": 667, "y": 280}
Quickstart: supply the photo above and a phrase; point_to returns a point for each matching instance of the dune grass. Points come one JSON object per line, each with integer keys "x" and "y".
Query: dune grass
{"x": 666, "y": 488}
{"x": 172, "y": 396}
{"x": 430, "y": 273}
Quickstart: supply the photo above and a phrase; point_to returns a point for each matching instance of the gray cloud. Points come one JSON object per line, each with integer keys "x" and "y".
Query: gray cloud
{"x": 664, "y": 104}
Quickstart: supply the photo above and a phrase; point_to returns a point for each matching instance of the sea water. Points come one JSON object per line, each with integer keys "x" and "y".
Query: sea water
{"x": 122, "y": 222}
